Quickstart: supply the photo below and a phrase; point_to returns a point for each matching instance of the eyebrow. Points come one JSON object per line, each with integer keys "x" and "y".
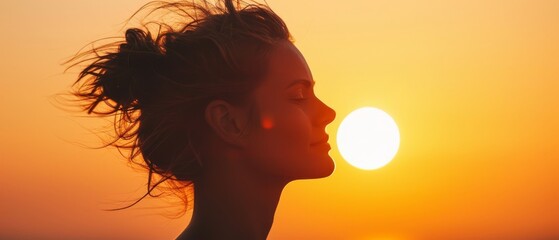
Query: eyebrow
{"x": 306, "y": 82}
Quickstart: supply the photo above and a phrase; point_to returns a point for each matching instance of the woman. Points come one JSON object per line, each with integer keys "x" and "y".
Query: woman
{"x": 223, "y": 103}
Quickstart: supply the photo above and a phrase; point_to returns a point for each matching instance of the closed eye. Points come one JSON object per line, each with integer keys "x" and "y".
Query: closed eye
{"x": 299, "y": 94}
{"x": 301, "y": 90}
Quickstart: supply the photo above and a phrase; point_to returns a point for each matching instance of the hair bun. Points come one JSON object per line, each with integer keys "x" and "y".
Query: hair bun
{"x": 128, "y": 74}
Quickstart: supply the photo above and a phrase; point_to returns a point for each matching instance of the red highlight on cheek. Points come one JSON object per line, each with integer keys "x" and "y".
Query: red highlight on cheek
{"x": 267, "y": 123}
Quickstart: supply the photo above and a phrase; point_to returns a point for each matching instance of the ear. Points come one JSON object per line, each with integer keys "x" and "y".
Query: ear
{"x": 227, "y": 121}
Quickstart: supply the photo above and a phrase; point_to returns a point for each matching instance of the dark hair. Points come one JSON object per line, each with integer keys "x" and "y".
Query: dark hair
{"x": 157, "y": 84}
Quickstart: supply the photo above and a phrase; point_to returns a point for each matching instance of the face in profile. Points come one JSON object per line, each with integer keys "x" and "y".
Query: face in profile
{"x": 289, "y": 141}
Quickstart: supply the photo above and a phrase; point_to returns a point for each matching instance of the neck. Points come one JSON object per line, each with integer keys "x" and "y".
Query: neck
{"x": 233, "y": 205}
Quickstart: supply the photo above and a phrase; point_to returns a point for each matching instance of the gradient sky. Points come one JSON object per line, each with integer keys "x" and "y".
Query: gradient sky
{"x": 473, "y": 86}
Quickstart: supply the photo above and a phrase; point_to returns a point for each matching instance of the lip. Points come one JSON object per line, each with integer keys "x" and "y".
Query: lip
{"x": 322, "y": 141}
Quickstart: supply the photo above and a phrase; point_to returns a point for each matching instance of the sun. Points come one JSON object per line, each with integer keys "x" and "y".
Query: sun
{"x": 368, "y": 138}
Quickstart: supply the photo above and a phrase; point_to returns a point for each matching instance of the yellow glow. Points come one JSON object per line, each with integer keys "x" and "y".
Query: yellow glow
{"x": 472, "y": 86}
{"x": 368, "y": 138}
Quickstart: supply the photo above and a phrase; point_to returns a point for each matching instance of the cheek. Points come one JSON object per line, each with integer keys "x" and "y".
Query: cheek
{"x": 281, "y": 140}
{"x": 280, "y": 147}
{"x": 289, "y": 130}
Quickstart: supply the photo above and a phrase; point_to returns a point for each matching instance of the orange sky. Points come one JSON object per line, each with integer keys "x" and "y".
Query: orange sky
{"x": 472, "y": 85}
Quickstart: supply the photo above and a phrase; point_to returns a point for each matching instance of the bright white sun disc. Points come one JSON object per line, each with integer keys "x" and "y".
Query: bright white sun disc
{"x": 368, "y": 138}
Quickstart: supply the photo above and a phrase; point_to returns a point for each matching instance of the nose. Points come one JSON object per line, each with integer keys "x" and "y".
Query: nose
{"x": 325, "y": 114}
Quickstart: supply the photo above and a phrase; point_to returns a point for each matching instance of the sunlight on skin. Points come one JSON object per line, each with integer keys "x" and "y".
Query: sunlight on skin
{"x": 267, "y": 122}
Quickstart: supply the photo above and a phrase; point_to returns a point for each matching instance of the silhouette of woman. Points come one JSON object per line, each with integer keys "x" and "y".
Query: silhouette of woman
{"x": 223, "y": 102}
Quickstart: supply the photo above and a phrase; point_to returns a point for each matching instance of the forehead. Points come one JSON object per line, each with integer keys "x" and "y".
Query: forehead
{"x": 285, "y": 65}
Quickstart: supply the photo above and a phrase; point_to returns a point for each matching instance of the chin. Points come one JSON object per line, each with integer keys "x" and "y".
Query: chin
{"x": 325, "y": 169}
{"x": 328, "y": 169}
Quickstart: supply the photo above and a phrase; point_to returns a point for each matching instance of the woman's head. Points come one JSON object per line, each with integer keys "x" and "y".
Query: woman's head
{"x": 289, "y": 140}
{"x": 168, "y": 89}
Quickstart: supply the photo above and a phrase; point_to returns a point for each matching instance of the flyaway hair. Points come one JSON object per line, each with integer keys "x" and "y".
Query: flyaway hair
{"x": 156, "y": 83}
